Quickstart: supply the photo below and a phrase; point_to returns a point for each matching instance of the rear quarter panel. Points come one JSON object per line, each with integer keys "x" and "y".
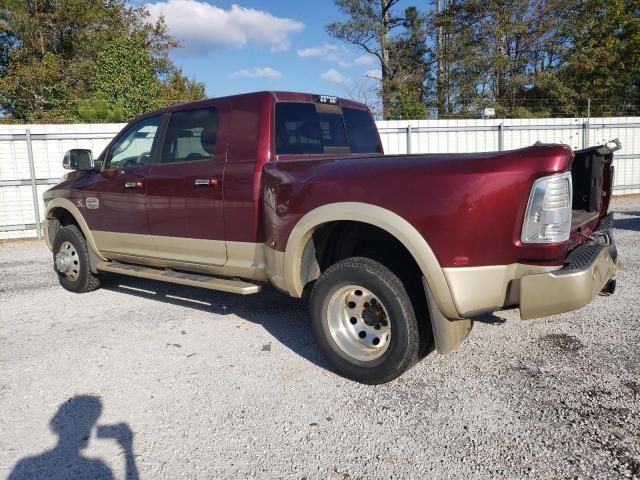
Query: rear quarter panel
{"x": 469, "y": 205}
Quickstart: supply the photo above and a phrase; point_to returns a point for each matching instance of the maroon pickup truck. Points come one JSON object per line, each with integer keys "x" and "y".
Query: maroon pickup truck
{"x": 396, "y": 252}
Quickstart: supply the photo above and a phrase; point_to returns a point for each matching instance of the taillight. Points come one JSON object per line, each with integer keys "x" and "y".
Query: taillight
{"x": 548, "y": 217}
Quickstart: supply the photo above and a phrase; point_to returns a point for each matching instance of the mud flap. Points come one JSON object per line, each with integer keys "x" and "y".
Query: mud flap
{"x": 448, "y": 335}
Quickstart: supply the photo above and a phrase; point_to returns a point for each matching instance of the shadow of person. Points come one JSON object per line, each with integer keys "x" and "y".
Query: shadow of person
{"x": 73, "y": 423}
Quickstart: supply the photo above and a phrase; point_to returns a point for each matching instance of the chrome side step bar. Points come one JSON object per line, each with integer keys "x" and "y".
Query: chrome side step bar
{"x": 192, "y": 279}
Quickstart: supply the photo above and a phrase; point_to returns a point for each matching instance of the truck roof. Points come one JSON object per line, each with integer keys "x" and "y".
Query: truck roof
{"x": 277, "y": 96}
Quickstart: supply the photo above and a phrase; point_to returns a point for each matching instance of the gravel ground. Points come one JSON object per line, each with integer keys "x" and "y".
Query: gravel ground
{"x": 220, "y": 386}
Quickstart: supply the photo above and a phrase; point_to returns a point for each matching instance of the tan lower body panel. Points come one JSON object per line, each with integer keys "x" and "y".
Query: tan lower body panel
{"x": 275, "y": 268}
{"x": 191, "y": 250}
{"x": 481, "y": 289}
{"x": 124, "y": 243}
{"x": 179, "y": 249}
{"x": 538, "y": 291}
{"x": 246, "y": 259}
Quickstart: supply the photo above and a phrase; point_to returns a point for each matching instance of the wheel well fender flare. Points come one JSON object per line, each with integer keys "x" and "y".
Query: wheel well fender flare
{"x": 377, "y": 216}
{"x": 68, "y": 206}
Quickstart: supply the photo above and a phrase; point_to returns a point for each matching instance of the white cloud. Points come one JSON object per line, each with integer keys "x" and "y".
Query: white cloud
{"x": 201, "y": 27}
{"x": 258, "y": 72}
{"x": 364, "y": 60}
{"x": 361, "y": 60}
{"x": 334, "y": 76}
{"x": 326, "y": 51}
{"x": 373, "y": 74}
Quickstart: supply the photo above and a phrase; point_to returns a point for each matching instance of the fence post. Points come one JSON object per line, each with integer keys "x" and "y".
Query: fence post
{"x": 501, "y": 137}
{"x": 408, "y": 139}
{"x": 585, "y": 133}
{"x": 34, "y": 187}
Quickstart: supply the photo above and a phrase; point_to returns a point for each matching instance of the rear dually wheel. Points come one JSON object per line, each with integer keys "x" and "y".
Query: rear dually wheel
{"x": 363, "y": 321}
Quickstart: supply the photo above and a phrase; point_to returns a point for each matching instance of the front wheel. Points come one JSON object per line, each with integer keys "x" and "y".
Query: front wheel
{"x": 363, "y": 321}
{"x": 71, "y": 261}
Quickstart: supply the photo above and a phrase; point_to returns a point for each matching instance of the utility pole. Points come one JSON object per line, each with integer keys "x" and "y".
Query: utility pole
{"x": 384, "y": 50}
{"x": 442, "y": 56}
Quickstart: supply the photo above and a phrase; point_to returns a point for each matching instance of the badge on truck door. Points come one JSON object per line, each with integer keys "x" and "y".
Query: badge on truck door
{"x": 92, "y": 203}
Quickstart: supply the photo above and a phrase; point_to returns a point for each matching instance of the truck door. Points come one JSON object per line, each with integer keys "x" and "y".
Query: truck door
{"x": 114, "y": 201}
{"x": 185, "y": 188}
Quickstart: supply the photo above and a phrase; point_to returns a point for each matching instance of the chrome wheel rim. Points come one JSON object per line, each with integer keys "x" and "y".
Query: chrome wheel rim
{"x": 359, "y": 322}
{"x": 67, "y": 261}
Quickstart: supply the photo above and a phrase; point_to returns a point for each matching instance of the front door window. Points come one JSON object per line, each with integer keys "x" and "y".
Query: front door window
{"x": 133, "y": 149}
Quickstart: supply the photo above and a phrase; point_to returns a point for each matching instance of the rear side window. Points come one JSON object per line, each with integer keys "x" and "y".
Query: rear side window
{"x": 191, "y": 136}
{"x": 304, "y": 128}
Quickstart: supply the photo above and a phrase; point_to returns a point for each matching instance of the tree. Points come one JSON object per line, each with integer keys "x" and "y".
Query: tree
{"x": 369, "y": 27}
{"x": 603, "y": 59}
{"x": 408, "y": 57}
{"x": 49, "y": 50}
{"x": 366, "y": 90}
{"x": 179, "y": 89}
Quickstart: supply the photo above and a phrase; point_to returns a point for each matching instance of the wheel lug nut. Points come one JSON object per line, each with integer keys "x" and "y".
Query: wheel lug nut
{"x": 353, "y": 320}
{"x": 362, "y": 334}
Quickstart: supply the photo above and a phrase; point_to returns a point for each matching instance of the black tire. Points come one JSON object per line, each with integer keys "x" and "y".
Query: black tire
{"x": 84, "y": 279}
{"x": 402, "y": 350}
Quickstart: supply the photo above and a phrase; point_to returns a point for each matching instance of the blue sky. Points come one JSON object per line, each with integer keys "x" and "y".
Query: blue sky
{"x": 250, "y": 45}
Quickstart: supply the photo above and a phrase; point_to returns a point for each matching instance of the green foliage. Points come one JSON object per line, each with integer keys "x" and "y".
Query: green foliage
{"x": 124, "y": 75}
{"x": 180, "y": 89}
{"x": 59, "y": 60}
{"x": 96, "y": 109}
{"x": 406, "y": 106}
{"x": 521, "y": 57}
{"x": 603, "y": 61}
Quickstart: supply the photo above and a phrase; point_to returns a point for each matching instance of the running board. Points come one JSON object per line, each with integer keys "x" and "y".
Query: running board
{"x": 182, "y": 278}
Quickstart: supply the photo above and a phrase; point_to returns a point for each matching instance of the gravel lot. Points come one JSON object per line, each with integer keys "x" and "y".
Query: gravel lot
{"x": 219, "y": 386}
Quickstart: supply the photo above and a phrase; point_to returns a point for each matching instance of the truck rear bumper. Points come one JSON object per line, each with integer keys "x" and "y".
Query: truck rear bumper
{"x": 590, "y": 268}
{"x": 539, "y": 291}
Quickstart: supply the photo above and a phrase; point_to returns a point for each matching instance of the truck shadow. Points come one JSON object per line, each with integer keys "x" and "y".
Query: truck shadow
{"x": 632, "y": 224}
{"x": 283, "y": 317}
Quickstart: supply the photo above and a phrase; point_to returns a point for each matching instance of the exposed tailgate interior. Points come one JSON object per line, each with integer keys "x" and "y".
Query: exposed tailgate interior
{"x": 592, "y": 176}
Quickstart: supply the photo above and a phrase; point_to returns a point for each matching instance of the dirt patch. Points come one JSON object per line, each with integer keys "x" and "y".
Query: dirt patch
{"x": 561, "y": 342}
{"x": 633, "y": 386}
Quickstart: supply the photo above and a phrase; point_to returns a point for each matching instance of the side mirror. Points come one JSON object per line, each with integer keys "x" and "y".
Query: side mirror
{"x": 78, "y": 159}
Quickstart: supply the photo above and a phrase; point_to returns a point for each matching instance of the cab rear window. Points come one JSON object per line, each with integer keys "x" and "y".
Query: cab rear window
{"x": 307, "y": 128}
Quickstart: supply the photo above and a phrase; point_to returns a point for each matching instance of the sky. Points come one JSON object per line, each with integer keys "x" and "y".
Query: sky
{"x": 251, "y": 45}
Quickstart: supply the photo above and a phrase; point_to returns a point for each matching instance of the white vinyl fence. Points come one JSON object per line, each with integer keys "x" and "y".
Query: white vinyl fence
{"x": 31, "y": 155}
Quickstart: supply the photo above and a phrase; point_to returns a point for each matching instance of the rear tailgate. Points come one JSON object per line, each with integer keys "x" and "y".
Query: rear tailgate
{"x": 592, "y": 178}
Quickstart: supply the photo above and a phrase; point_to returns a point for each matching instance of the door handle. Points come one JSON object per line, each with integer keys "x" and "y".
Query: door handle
{"x": 137, "y": 184}
{"x": 206, "y": 182}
